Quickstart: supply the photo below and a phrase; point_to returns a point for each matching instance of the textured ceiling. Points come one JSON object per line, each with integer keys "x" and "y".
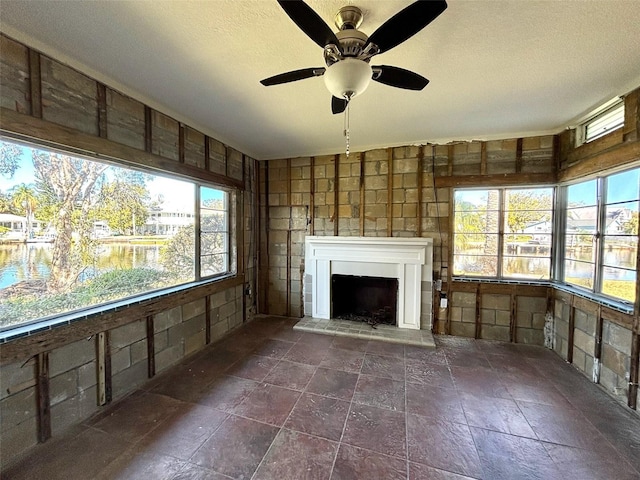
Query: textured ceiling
{"x": 498, "y": 69}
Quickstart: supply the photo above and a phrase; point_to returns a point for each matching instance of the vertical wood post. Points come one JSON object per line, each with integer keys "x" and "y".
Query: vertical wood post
{"x": 513, "y": 316}
{"x": 312, "y": 191}
{"x": 361, "y": 156}
{"x": 519, "y": 155}
{"x": 267, "y": 229}
{"x": 103, "y": 356}
{"x": 35, "y": 84}
{"x": 483, "y": 158}
{"x": 450, "y": 160}
{"x": 207, "y": 319}
{"x": 181, "y": 142}
{"x": 597, "y": 349}
{"x": 102, "y": 109}
{"x": 419, "y": 191}
{"x": 336, "y": 198}
{"x": 148, "y": 129}
{"x": 633, "y": 371}
{"x": 44, "y": 405}
{"x": 572, "y": 323}
{"x": 390, "y": 192}
{"x": 478, "y": 311}
{"x": 151, "y": 349}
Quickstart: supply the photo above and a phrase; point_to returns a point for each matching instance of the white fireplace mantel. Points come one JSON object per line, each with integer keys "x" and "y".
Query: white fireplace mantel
{"x": 407, "y": 259}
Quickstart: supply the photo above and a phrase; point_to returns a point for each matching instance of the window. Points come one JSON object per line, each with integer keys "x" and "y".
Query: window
{"x": 601, "y": 234}
{"x": 610, "y": 117}
{"x": 503, "y": 233}
{"x": 76, "y": 233}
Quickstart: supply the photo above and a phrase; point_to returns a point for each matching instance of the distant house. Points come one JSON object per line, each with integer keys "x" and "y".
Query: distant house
{"x": 16, "y": 227}
{"x": 616, "y": 221}
{"x": 167, "y": 222}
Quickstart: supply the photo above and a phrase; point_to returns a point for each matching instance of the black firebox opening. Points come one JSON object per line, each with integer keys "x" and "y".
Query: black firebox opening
{"x": 368, "y": 299}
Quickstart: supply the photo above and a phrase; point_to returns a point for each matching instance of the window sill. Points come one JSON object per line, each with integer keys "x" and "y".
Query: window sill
{"x": 49, "y": 323}
{"x": 623, "y": 307}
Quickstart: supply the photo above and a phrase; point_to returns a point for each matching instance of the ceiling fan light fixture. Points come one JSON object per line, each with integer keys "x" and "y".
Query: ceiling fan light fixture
{"x": 348, "y": 78}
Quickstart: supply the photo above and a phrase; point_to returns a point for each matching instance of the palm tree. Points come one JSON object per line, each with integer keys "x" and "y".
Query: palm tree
{"x": 25, "y": 200}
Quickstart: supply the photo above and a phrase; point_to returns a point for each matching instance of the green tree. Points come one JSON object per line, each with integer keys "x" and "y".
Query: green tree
{"x": 9, "y": 158}
{"x": 527, "y": 206}
{"x": 631, "y": 225}
{"x": 25, "y": 200}
{"x": 71, "y": 181}
{"x": 122, "y": 205}
{"x": 470, "y": 224}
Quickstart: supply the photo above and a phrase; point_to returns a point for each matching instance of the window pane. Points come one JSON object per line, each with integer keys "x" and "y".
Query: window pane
{"x": 619, "y": 283}
{"x": 532, "y": 268}
{"x": 214, "y": 232}
{"x": 475, "y": 265}
{"x": 582, "y": 194}
{"x": 579, "y": 273}
{"x": 622, "y": 218}
{"x": 580, "y": 247}
{"x": 623, "y": 186}
{"x": 119, "y": 235}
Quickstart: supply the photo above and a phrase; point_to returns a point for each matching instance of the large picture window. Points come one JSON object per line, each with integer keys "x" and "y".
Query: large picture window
{"x": 601, "y": 234}
{"x": 76, "y": 233}
{"x": 503, "y": 233}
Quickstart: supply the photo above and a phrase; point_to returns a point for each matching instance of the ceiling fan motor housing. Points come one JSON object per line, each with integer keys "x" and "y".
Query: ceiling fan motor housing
{"x": 348, "y": 78}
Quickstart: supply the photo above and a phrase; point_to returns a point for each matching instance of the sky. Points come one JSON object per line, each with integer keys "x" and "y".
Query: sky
{"x": 178, "y": 195}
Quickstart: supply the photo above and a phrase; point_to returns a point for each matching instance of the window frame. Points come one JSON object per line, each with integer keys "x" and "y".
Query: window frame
{"x": 596, "y": 291}
{"x": 231, "y": 192}
{"x": 582, "y": 130}
{"x": 501, "y": 233}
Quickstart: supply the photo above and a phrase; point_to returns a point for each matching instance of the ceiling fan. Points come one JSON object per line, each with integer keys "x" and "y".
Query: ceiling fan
{"x": 348, "y": 52}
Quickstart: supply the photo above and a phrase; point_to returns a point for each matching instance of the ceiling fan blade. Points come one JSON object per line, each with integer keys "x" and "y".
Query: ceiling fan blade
{"x": 338, "y": 105}
{"x": 293, "y": 76}
{"x": 309, "y": 22}
{"x": 406, "y": 23}
{"x": 399, "y": 77}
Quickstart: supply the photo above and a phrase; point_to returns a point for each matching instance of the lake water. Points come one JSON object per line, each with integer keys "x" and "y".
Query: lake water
{"x": 19, "y": 262}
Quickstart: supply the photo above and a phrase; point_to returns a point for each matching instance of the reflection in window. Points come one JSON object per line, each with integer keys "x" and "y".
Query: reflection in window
{"x": 76, "y": 233}
{"x": 601, "y": 241}
{"x": 504, "y": 233}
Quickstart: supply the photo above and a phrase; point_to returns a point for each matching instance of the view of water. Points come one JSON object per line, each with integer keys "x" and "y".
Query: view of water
{"x": 20, "y": 262}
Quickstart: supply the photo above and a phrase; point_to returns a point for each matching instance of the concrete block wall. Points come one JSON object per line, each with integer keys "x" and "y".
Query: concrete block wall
{"x": 79, "y": 112}
{"x": 478, "y": 310}
{"x": 600, "y": 336}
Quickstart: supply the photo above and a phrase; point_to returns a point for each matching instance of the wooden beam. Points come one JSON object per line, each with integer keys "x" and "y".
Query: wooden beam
{"x": 513, "y": 337}
{"x": 616, "y": 156}
{"x": 44, "y": 401}
{"x": 312, "y": 191}
{"x": 151, "y": 349}
{"x": 22, "y": 348}
{"x": 103, "y": 360}
{"x": 361, "y": 157}
{"x": 288, "y": 273}
{"x": 207, "y": 319}
{"x": 267, "y": 229}
{"x": 519, "y": 155}
{"x": 35, "y": 84}
{"x": 478, "y": 311}
{"x": 572, "y": 323}
{"x": 148, "y": 129}
{"x": 483, "y": 158}
{"x": 207, "y": 153}
{"x": 390, "y": 192}
{"x": 336, "y": 198}
{"x": 633, "y": 371}
{"x": 419, "y": 192}
{"x": 102, "y": 109}
{"x": 556, "y": 152}
{"x": 495, "y": 180}
{"x": 597, "y": 349}
{"x": 450, "y": 159}
{"x": 181, "y": 142}
{"x": 25, "y": 127}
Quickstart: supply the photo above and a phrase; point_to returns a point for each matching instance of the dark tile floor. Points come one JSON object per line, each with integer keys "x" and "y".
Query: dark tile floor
{"x": 273, "y": 403}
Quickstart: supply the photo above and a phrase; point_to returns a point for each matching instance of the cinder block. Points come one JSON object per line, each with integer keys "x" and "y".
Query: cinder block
{"x": 496, "y": 302}
{"x": 63, "y": 386}
{"x": 18, "y": 408}
{"x": 494, "y": 332}
{"x": 503, "y": 318}
{"x": 584, "y": 322}
{"x": 532, "y": 304}
{"x": 463, "y": 329}
{"x": 167, "y": 319}
{"x": 72, "y": 411}
{"x": 138, "y": 351}
{"x": 131, "y": 378}
{"x": 120, "y": 360}
{"x": 487, "y": 317}
{"x": 127, "y": 334}
{"x": 618, "y": 337}
{"x": 15, "y": 377}
{"x": 193, "y": 309}
{"x": 17, "y": 439}
{"x": 578, "y": 359}
{"x": 87, "y": 376}
{"x": 71, "y": 356}
{"x": 615, "y": 360}
{"x": 463, "y": 299}
{"x": 469, "y": 315}
{"x": 583, "y": 341}
{"x": 168, "y": 357}
{"x": 529, "y": 336}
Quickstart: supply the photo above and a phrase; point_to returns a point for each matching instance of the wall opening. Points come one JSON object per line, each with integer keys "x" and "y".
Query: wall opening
{"x": 373, "y": 300}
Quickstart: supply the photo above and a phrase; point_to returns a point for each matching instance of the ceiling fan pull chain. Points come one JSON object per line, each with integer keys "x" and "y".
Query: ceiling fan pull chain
{"x": 346, "y": 127}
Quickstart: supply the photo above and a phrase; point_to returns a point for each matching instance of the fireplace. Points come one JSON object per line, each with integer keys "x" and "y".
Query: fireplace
{"x": 372, "y": 300}
{"x": 409, "y": 261}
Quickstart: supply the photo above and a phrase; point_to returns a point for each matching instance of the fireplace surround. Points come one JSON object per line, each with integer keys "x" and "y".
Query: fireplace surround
{"x": 409, "y": 260}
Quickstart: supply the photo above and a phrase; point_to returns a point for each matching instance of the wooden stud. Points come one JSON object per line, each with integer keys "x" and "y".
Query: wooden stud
{"x": 151, "y": 351}
{"x": 519, "y": 155}
{"x": 513, "y": 337}
{"x": 336, "y": 198}
{"x": 362, "y": 156}
{"x": 390, "y": 192}
{"x": 102, "y": 109}
{"x": 35, "y": 84}
{"x": 633, "y": 371}
{"x": 103, "y": 359}
{"x": 483, "y": 158}
{"x": 267, "y": 230}
{"x": 207, "y": 320}
{"x": 257, "y": 255}
{"x": 436, "y": 311}
{"x": 555, "y": 153}
{"x": 312, "y": 206}
{"x": 148, "y": 129}
{"x": 572, "y": 323}
{"x": 44, "y": 401}
{"x": 478, "y": 330}
{"x": 450, "y": 160}
{"x": 181, "y": 141}
{"x": 288, "y": 273}
{"x": 597, "y": 349}
{"x": 226, "y": 161}
{"x": 207, "y": 153}
{"x": 419, "y": 192}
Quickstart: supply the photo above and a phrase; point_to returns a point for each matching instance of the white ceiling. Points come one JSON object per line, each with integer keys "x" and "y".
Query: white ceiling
{"x": 498, "y": 69}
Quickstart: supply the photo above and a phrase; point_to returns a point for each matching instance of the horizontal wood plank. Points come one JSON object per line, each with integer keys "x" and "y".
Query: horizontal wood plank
{"x": 495, "y": 180}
